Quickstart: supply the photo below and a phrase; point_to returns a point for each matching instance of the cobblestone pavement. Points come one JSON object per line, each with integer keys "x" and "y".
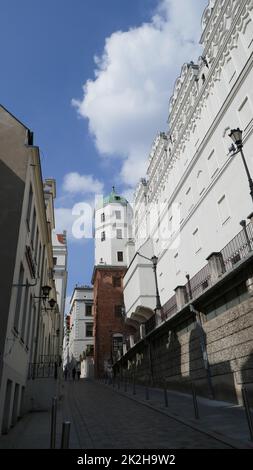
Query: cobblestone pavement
{"x": 104, "y": 419}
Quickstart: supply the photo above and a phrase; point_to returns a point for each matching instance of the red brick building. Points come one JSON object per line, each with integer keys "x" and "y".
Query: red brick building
{"x": 110, "y": 329}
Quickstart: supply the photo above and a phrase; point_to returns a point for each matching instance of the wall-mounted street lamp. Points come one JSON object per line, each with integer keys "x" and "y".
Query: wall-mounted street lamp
{"x": 237, "y": 146}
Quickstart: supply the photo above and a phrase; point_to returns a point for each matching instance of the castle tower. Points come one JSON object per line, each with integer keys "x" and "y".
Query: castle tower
{"x": 113, "y": 219}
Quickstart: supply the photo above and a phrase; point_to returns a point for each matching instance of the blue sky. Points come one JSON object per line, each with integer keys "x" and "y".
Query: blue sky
{"x": 128, "y": 53}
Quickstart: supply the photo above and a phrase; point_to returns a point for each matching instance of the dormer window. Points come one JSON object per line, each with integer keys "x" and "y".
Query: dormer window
{"x": 103, "y": 217}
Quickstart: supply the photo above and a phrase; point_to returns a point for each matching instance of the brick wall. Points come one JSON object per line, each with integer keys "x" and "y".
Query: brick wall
{"x": 106, "y": 321}
{"x": 176, "y": 358}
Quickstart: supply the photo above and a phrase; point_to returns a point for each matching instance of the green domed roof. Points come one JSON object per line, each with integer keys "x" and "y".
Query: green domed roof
{"x": 114, "y": 197}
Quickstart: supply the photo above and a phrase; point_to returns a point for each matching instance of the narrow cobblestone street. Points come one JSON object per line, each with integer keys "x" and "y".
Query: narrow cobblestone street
{"x": 102, "y": 418}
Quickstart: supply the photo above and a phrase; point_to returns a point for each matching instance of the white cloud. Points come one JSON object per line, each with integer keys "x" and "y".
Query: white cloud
{"x": 75, "y": 183}
{"x": 127, "y": 102}
{"x": 76, "y": 221}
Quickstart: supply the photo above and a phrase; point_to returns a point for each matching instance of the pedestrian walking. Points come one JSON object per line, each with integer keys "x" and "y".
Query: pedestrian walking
{"x": 74, "y": 373}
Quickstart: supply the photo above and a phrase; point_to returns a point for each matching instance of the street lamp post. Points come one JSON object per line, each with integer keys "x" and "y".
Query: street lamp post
{"x": 236, "y": 136}
{"x": 154, "y": 260}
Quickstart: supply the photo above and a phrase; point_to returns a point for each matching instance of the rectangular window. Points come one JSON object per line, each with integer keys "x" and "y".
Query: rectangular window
{"x": 119, "y": 233}
{"x": 223, "y": 209}
{"x": 30, "y": 320}
{"x": 19, "y": 297}
{"x": 89, "y": 329}
{"x": 103, "y": 217}
{"x": 102, "y": 236}
{"x": 196, "y": 240}
{"x": 116, "y": 281}
{"x": 88, "y": 310}
{"x": 118, "y": 215}
{"x": 176, "y": 263}
{"x": 120, "y": 255}
{"x": 189, "y": 200}
{"x": 212, "y": 164}
{"x": 29, "y": 207}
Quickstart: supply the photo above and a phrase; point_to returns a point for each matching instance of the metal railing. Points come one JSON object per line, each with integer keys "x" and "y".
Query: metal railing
{"x": 42, "y": 371}
{"x": 237, "y": 249}
{"x": 169, "y": 308}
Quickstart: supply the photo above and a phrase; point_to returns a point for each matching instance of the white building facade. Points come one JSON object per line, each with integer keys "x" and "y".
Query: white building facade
{"x": 195, "y": 193}
{"x": 113, "y": 222}
{"x": 80, "y": 344}
{"x": 60, "y": 254}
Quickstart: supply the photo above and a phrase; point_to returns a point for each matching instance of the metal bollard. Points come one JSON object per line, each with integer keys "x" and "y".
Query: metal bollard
{"x": 53, "y": 423}
{"x": 247, "y": 411}
{"x": 195, "y": 402}
{"x": 65, "y": 435}
{"x": 146, "y": 393}
{"x": 166, "y": 397}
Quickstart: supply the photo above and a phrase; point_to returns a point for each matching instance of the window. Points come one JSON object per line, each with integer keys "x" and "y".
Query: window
{"x": 118, "y": 215}
{"x": 189, "y": 200}
{"x": 117, "y": 345}
{"x": 200, "y": 182}
{"x": 176, "y": 263}
{"x": 55, "y": 261}
{"x": 103, "y": 217}
{"x": 118, "y": 310}
{"x": 36, "y": 243}
{"x": 89, "y": 329}
{"x": 212, "y": 164}
{"x": 119, "y": 233}
{"x": 29, "y": 207}
{"x": 116, "y": 281}
{"x": 197, "y": 241}
{"x": 19, "y": 297}
{"x": 120, "y": 255}
{"x": 88, "y": 310}
{"x": 102, "y": 236}
{"x": 223, "y": 210}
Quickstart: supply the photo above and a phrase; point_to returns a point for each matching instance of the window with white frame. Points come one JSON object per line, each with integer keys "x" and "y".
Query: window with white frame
{"x": 103, "y": 217}
{"x": 119, "y": 233}
{"x": 223, "y": 208}
{"x": 118, "y": 215}
{"x": 212, "y": 164}
{"x": 196, "y": 240}
{"x": 102, "y": 236}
